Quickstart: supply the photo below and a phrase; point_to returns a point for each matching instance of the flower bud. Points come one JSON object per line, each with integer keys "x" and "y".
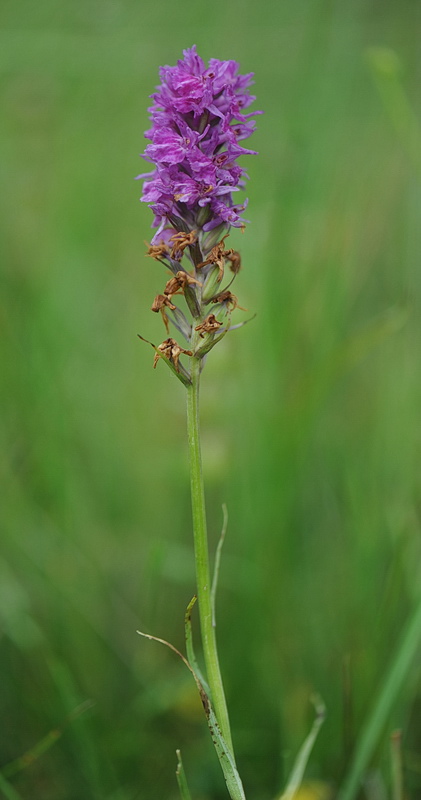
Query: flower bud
{"x": 203, "y": 216}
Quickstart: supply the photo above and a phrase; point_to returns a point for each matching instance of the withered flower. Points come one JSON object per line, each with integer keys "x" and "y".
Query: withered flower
{"x": 209, "y": 325}
{"x": 159, "y": 304}
{"x": 217, "y": 257}
{"x": 178, "y": 283}
{"x": 171, "y": 350}
{"x": 157, "y": 251}
{"x": 229, "y": 299}
{"x": 234, "y": 257}
{"x": 181, "y": 240}
{"x": 160, "y": 301}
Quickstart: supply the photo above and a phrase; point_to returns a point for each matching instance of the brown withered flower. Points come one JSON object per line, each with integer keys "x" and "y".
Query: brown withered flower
{"x": 229, "y": 298}
{"x": 217, "y": 257}
{"x": 234, "y": 257}
{"x": 157, "y": 251}
{"x": 160, "y": 301}
{"x": 209, "y": 325}
{"x": 181, "y": 240}
{"x": 159, "y": 304}
{"x": 178, "y": 283}
{"x": 171, "y": 350}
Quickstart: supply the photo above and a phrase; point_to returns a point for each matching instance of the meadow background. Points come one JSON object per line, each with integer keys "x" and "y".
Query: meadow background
{"x": 311, "y": 414}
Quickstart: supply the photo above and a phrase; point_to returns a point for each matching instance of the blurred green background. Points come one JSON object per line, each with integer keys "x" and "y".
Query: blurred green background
{"x": 311, "y": 414}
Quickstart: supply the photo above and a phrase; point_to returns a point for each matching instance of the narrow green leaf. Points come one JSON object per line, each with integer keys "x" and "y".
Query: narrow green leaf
{"x": 181, "y": 779}
{"x": 210, "y": 341}
{"x": 226, "y": 760}
{"x": 191, "y": 656}
{"x": 218, "y": 562}
{"x": 377, "y": 718}
{"x": 297, "y": 774}
{"x": 7, "y": 789}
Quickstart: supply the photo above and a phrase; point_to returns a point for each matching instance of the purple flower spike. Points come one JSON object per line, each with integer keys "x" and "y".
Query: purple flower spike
{"x": 198, "y": 121}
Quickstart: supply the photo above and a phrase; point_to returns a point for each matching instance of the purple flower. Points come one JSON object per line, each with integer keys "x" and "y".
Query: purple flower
{"x": 198, "y": 121}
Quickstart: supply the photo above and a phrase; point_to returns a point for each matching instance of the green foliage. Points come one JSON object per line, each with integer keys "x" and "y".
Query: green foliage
{"x": 310, "y": 412}
{"x": 296, "y": 778}
{"x": 380, "y": 712}
{"x": 181, "y": 779}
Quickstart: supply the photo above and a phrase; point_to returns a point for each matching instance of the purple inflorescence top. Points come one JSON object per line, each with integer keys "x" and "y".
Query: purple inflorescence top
{"x": 198, "y": 121}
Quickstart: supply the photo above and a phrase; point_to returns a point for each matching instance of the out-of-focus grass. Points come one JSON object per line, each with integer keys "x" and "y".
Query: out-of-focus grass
{"x": 310, "y": 414}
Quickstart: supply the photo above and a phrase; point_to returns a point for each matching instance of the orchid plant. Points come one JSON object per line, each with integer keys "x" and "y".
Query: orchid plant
{"x": 198, "y": 123}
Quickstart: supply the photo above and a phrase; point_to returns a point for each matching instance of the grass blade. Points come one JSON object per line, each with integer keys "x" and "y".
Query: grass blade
{"x": 191, "y": 656}
{"x": 7, "y": 789}
{"x": 298, "y": 770}
{"x": 383, "y": 704}
{"x": 218, "y": 562}
{"x": 226, "y": 760}
{"x": 181, "y": 779}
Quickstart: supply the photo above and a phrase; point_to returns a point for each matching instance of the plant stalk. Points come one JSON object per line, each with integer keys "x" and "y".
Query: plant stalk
{"x": 202, "y": 556}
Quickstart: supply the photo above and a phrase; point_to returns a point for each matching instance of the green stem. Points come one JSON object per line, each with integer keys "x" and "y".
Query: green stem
{"x": 202, "y": 556}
